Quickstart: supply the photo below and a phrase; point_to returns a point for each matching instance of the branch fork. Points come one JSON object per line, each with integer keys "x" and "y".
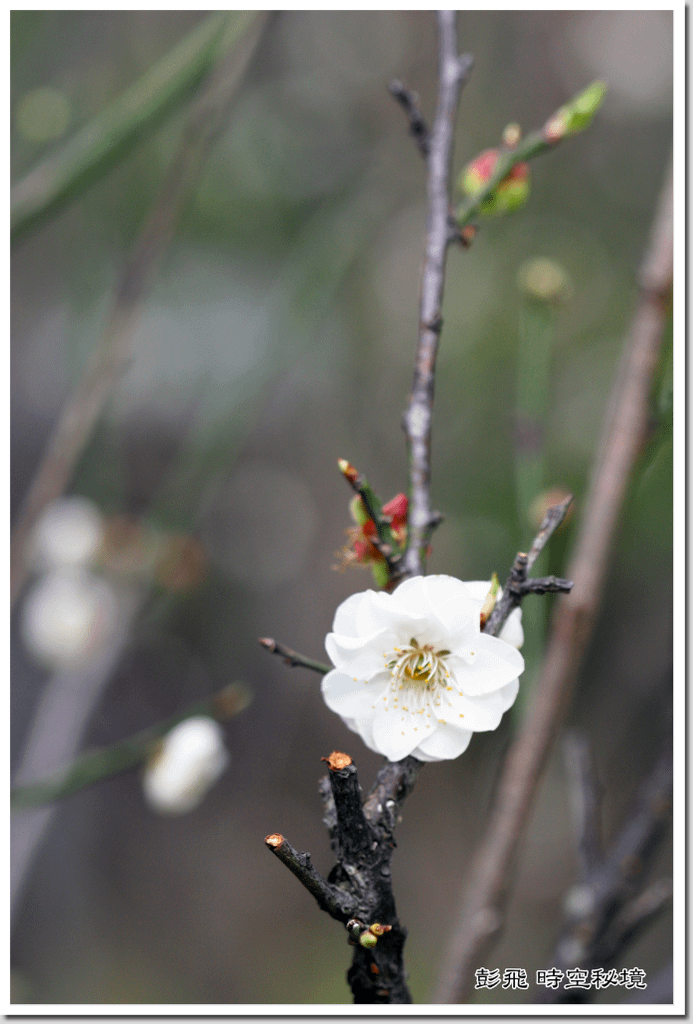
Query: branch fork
{"x": 359, "y": 887}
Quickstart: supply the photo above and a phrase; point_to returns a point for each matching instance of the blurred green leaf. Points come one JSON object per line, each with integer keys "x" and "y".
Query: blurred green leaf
{"x": 65, "y": 174}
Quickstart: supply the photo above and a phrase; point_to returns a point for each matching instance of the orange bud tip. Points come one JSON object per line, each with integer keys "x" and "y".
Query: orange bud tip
{"x": 337, "y": 761}
{"x": 374, "y": 969}
{"x": 274, "y": 841}
{"x": 349, "y": 471}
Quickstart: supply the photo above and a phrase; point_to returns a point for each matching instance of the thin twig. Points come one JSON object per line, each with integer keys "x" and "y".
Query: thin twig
{"x": 489, "y": 883}
{"x": 552, "y": 520}
{"x": 330, "y": 898}
{"x": 109, "y": 361}
{"x": 384, "y": 542}
{"x": 417, "y": 420}
{"x": 518, "y": 585}
{"x": 293, "y": 658}
{"x": 417, "y": 124}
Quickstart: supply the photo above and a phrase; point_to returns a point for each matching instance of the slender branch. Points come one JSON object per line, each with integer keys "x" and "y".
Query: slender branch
{"x": 552, "y": 520}
{"x": 518, "y": 585}
{"x": 330, "y": 898}
{"x": 109, "y": 360}
{"x": 125, "y": 122}
{"x": 385, "y": 542}
{"x": 557, "y": 128}
{"x": 487, "y": 890}
{"x": 97, "y": 765}
{"x": 293, "y": 658}
{"x": 586, "y": 799}
{"x": 417, "y": 420}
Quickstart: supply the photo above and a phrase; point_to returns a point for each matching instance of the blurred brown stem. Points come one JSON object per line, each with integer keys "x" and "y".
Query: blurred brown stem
{"x": 482, "y": 913}
{"x": 109, "y": 360}
{"x": 611, "y": 904}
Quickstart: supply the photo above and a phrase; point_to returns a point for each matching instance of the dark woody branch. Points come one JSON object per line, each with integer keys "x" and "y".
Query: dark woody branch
{"x": 518, "y": 584}
{"x": 330, "y": 898}
{"x": 586, "y": 793}
{"x": 610, "y": 904}
{"x": 360, "y": 884}
{"x": 417, "y": 125}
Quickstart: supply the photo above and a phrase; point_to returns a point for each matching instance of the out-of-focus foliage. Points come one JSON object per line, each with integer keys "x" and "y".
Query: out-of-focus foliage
{"x": 279, "y": 336}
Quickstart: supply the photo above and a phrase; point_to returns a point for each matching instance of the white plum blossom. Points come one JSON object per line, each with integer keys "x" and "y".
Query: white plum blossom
{"x": 413, "y": 672}
{"x": 69, "y": 533}
{"x": 68, "y": 617}
{"x": 188, "y": 762}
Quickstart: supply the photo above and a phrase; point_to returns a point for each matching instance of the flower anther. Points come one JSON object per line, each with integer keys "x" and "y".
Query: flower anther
{"x": 414, "y": 674}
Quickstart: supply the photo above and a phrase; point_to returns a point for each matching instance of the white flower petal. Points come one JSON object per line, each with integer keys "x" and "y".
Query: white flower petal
{"x": 445, "y": 743}
{"x": 359, "y": 655}
{"x": 494, "y": 663}
{"x": 480, "y": 714}
{"x": 345, "y": 616}
{"x": 444, "y": 603}
{"x": 396, "y": 733}
{"x": 381, "y": 611}
{"x": 349, "y": 697}
{"x": 478, "y": 590}
{"x": 512, "y": 632}
{"x": 191, "y": 758}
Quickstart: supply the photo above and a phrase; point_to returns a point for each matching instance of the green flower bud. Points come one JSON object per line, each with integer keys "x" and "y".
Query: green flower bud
{"x": 577, "y": 114}
{"x": 368, "y": 940}
{"x": 358, "y": 511}
{"x": 544, "y": 280}
{"x": 381, "y": 574}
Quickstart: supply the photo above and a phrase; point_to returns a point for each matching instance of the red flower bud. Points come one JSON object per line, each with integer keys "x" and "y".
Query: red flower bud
{"x": 509, "y": 194}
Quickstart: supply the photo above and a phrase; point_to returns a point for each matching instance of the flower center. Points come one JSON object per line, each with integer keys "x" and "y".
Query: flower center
{"x": 418, "y": 663}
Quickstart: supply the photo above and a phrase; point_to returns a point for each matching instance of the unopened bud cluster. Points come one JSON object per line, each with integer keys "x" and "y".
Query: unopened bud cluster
{"x": 361, "y": 548}
{"x": 366, "y": 935}
{"x": 510, "y": 193}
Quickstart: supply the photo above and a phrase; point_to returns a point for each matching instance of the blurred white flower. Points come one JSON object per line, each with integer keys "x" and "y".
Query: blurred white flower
{"x": 190, "y": 759}
{"x": 67, "y": 617}
{"x": 70, "y": 532}
{"x": 413, "y": 672}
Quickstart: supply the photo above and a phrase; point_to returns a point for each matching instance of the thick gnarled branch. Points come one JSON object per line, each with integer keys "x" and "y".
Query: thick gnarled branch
{"x": 360, "y": 884}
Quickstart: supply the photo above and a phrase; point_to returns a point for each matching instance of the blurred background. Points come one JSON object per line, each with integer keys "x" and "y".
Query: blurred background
{"x": 277, "y": 336}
